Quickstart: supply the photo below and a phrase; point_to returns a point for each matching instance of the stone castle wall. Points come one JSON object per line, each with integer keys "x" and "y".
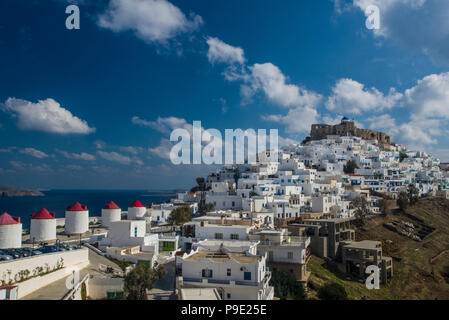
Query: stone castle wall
{"x": 345, "y": 128}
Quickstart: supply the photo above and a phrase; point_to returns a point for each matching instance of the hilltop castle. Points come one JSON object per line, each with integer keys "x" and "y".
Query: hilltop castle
{"x": 347, "y": 128}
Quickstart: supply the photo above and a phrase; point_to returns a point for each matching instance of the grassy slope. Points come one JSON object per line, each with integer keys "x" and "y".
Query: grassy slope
{"x": 414, "y": 276}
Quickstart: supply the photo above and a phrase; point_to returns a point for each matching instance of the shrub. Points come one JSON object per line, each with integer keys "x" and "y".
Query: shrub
{"x": 332, "y": 291}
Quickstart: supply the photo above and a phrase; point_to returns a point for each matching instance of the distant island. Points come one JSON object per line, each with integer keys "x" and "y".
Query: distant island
{"x": 7, "y": 191}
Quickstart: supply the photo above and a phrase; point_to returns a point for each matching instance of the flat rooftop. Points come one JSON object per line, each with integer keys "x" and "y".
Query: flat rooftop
{"x": 364, "y": 244}
{"x": 229, "y": 243}
{"x": 335, "y": 220}
{"x": 223, "y": 257}
{"x": 199, "y": 294}
{"x": 215, "y": 225}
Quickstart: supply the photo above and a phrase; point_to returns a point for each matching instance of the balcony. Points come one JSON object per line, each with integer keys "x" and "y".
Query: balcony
{"x": 219, "y": 283}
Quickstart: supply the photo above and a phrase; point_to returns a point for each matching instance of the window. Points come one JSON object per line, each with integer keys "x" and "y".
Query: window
{"x": 234, "y": 236}
{"x": 233, "y": 203}
{"x": 228, "y": 296}
{"x": 206, "y": 273}
{"x": 219, "y": 236}
{"x": 135, "y": 231}
{"x": 247, "y": 276}
{"x": 290, "y": 255}
{"x": 228, "y": 272}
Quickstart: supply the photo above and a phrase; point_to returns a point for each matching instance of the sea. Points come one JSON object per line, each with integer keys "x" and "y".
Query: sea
{"x": 57, "y": 200}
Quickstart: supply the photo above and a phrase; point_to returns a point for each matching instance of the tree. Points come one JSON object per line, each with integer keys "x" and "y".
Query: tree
{"x": 403, "y": 201}
{"x": 286, "y": 286}
{"x": 349, "y": 167}
{"x": 413, "y": 194}
{"x": 179, "y": 216}
{"x": 141, "y": 279}
{"x": 402, "y": 156}
{"x": 385, "y": 206}
{"x": 209, "y": 207}
{"x": 332, "y": 291}
{"x": 361, "y": 210}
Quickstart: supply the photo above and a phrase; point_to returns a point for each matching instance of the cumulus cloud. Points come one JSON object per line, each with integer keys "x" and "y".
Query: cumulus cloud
{"x": 77, "y": 156}
{"x": 220, "y": 51}
{"x": 418, "y": 25}
{"x": 34, "y": 153}
{"x": 131, "y": 149}
{"x": 430, "y": 97}
{"x": 349, "y": 96}
{"x": 301, "y": 102}
{"x": 151, "y": 20}
{"x": 163, "y": 125}
{"x": 162, "y": 150}
{"x": 419, "y": 134}
{"x": 286, "y": 141}
{"x": 45, "y": 115}
{"x": 297, "y": 120}
{"x": 384, "y": 121}
{"x": 115, "y": 157}
{"x": 44, "y": 168}
{"x": 269, "y": 78}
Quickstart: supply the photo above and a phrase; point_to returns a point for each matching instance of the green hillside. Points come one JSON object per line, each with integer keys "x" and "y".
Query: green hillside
{"x": 420, "y": 267}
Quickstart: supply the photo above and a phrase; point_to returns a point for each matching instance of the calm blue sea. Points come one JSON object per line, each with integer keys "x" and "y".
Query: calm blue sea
{"x": 57, "y": 200}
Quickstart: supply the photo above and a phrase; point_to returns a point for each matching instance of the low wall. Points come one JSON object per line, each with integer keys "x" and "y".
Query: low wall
{"x": 29, "y": 286}
{"x": 13, "y": 269}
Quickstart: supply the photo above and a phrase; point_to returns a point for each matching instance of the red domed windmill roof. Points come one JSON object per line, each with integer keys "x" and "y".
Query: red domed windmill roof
{"x": 111, "y": 205}
{"x": 77, "y": 207}
{"x": 6, "y": 218}
{"x": 43, "y": 214}
{"x": 136, "y": 204}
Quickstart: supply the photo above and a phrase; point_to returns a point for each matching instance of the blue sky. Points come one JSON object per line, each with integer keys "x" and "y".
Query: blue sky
{"x": 93, "y": 108}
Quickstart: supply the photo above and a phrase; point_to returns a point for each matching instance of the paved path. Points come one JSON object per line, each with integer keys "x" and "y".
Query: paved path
{"x": 57, "y": 289}
{"x": 164, "y": 288}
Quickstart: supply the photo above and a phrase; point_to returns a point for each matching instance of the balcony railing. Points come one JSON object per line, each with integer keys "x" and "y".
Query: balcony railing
{"x": 226, "y": 282}
{"x": 246, "y": 283}
{"x": 218, "y": 281}
{"x": 185, "y": 279}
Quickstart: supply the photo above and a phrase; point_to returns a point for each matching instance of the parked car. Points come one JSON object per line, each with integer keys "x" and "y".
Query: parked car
{"x": 5, "y": 257}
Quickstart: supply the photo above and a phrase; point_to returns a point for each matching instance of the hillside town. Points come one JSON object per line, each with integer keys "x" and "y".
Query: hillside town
{"x": 226, "y": 237}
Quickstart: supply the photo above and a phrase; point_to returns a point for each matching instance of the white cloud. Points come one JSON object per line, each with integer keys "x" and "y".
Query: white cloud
{"x": 332, "y": 120}
{"x": 30, "y": 167}
{"x": 349, "y": 96}
{"x": 151, "y": 20}
{"x": 384, "y": 121}
{"x": 131, "y": 149}
{"x": 270, "y": 79}
{"x": 297, "y": 120}
{"x": 77, "y": 156}
{"x": 34, "y": 153}
{"x": 419, "y": 25}
{"x": 220, "y": 51}
{"x": 115, "y": 157}
{"x": 286, "y": 141}
{"x": 417, "y": 134}
{"x": 7, "y": 150}
{"x": 430, "y": 97}
{"x": 163, "y": 125}
{"x": 99, "y": 144}
{"x": 45, "y": 115}
{"x": 163, "y": 149}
